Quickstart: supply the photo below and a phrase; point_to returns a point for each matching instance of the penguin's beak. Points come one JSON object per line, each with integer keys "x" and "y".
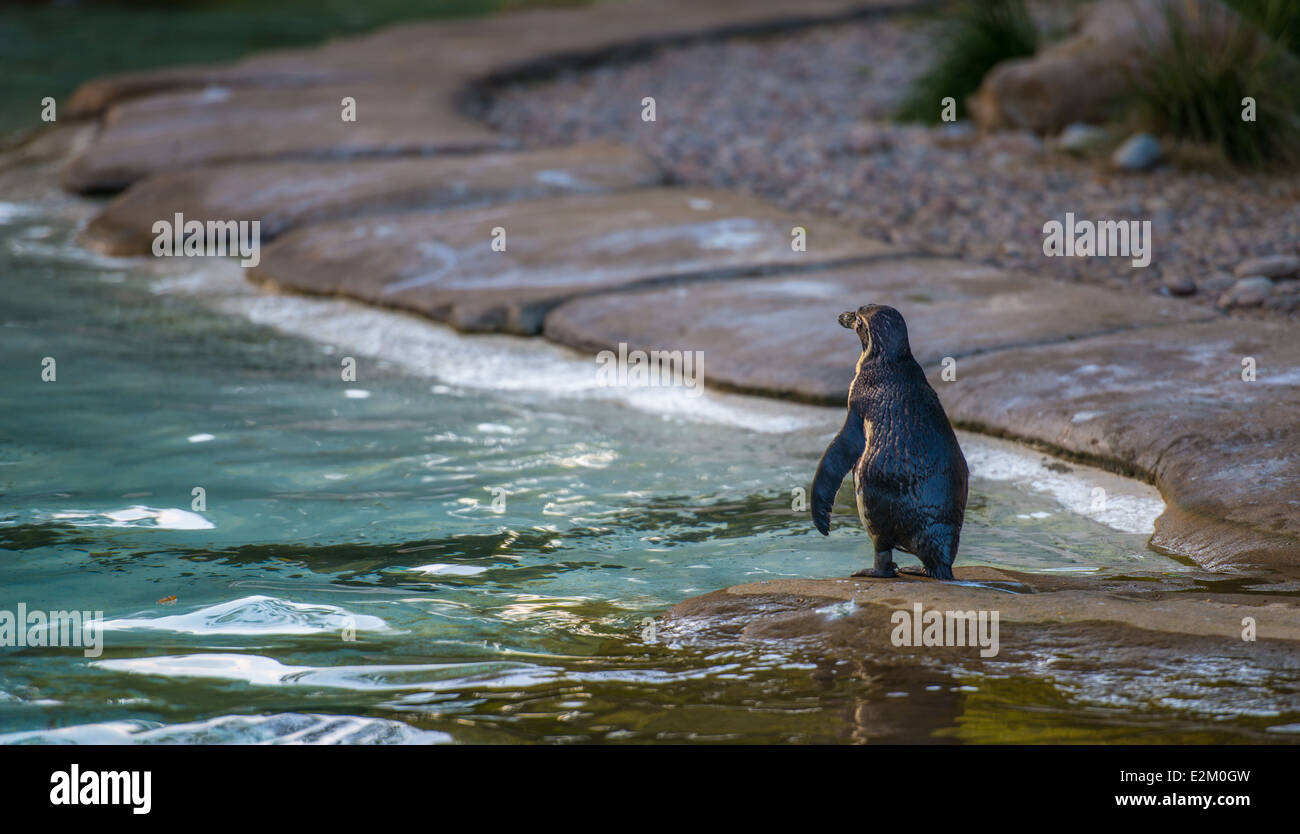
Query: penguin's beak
{"x": 849, "y": 319}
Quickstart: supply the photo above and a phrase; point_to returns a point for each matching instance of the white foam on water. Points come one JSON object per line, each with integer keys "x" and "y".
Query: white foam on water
{"x": 1120, "y": 503}
{"x": 449, "y": 570}
{"x": 1284, "y": 728}
{"x": 483, "y": 362}
{"x": 267, "y": 671}
{"x": 511, "y": 363}
{"x": 166, "y": 518}
{"x": 201, "y": 438}
{"x": 68, "y": 252}
{"x": 261, "y": 615}
{"x": 9, "y": 212}
{"x": 279, "y": 728}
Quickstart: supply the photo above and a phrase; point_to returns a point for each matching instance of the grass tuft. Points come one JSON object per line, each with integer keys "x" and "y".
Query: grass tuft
{"x": 1279, "y": 18}
{"x": 1193, "y": 91}
{"x": 979, "y": 35}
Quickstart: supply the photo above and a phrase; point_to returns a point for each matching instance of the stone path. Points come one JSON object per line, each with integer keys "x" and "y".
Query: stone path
{"x": 284, "y": 195}
{"x": 444, "y": 264}
{"x": 793, "y": 347}
{"x": 401, "y": 208}
{"x": 180, "y": 130}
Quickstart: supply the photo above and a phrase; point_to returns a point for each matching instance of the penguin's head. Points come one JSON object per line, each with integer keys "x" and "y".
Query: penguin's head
{"x": 881, "y": 329}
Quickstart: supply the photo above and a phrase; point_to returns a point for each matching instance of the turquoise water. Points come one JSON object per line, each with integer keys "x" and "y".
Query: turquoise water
{"x": 365, "y": 509}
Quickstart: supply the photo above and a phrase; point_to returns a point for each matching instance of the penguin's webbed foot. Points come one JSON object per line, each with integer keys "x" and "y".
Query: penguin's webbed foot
{"x": 877, "y": 573}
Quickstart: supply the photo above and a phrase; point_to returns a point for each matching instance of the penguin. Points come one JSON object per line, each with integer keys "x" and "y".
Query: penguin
{"x": 909, "y": 474}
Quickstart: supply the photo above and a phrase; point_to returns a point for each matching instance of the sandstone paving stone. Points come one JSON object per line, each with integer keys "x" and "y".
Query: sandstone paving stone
{"x": 185, "y": 129}
{"x": 445, "y": 265}
{"x": 283, "y": 195}
{"x": 778, "y": 335}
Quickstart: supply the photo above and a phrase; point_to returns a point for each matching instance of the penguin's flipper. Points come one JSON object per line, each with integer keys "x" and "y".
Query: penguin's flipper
{"x": 837, "y": 460}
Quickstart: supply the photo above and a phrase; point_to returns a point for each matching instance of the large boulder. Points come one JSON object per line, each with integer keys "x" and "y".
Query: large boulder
{"x": 1087, "y": 77}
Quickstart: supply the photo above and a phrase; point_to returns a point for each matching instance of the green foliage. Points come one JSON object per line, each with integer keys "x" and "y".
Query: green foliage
{"x": 1194, "y": 89}
{"x": 1279, "y": 18}
{"x": 979, "y": 34}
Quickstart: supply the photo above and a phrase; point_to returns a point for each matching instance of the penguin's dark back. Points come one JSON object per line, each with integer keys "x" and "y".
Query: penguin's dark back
{"x": 881, "y": 388}
{"x": 910, "y": 432}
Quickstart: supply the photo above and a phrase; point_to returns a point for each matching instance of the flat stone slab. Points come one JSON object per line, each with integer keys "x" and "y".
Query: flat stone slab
{"x": 1080, "y": 645}
{"x": 443, "y": 265}
{"x": 1048, "y": 626}
{"x": 1151, "y": 604}
{"x": 283, "y": 195}
{"x": 953, "y": 309}
{"x": 183, "y": 130}
{"x": 1169, "y": 403}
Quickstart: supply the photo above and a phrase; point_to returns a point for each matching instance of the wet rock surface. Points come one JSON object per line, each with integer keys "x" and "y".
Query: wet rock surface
{"x": 1126, "y": 642}
{"x": 284, "y": 195}
{"x": 1176, "y": 605}
{"x": 446, "y": 265}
